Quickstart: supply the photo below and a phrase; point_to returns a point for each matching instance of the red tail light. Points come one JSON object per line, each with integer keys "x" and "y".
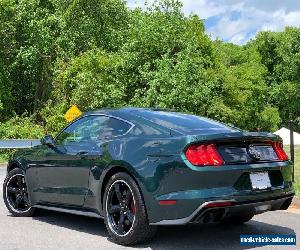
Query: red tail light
{"x": 277, "y": 146}
{"x": 204, "y": 155}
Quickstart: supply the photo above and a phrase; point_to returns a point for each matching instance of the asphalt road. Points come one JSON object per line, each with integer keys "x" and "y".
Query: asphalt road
{"x": 52, "y": 230}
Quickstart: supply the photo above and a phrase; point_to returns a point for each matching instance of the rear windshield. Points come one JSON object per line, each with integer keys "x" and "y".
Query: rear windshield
{"x": 184, "y": 123}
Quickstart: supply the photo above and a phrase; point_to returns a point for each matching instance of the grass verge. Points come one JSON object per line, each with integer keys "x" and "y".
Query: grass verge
{"x": 297, "y": 167}
{"x": 297, "y": 187}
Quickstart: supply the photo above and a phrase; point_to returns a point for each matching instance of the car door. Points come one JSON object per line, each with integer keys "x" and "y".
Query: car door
{"x": 63, "y": 174}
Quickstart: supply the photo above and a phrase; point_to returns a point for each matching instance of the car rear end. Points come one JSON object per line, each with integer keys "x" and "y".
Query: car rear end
{"x": 218, "y": 172}
{"x": 225, "y": 175}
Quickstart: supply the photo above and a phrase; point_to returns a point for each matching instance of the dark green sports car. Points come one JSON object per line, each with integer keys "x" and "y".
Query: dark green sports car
{"x": 140, "y": 168}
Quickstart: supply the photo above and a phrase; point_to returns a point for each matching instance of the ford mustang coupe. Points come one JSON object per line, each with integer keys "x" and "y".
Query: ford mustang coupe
{"x": 141, "y": 168}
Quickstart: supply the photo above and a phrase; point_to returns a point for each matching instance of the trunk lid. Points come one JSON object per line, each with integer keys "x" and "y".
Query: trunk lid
{"x": 242, "y": 147}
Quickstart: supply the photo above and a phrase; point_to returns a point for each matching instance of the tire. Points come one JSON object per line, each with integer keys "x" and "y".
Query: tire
{"x": 135, "y": 227}
{"x": 238, "y": 219}
{"x": 15, "y": 194}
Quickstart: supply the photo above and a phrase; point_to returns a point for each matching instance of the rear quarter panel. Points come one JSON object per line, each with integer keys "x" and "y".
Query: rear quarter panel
{"x": 148, "y": 160}
{"x": 162, "y": 172}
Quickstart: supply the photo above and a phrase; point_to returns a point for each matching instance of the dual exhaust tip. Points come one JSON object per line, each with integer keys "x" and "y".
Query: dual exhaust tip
{"x": 215, "y": 213}
{"x": 211, "y": 216}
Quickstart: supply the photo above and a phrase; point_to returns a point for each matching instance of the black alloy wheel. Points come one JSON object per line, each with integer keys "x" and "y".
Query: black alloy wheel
{"x": 120, "y": 208}
{"x": 15, "y": 194}
{"x": 125, "y": 212}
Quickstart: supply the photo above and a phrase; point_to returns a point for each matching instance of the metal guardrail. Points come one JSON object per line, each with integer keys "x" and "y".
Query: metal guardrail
{"x": 18, "y": 143}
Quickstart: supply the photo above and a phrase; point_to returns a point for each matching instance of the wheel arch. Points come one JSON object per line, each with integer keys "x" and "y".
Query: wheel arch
{"x": 14, "y": 164}
{"x": 116, "y": 168}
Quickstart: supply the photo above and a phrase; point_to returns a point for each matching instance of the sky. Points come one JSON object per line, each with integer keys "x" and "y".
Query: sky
{"x": 238, "y": 21}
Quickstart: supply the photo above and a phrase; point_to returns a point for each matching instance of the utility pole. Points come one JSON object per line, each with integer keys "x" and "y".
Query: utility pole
{"x": 292, "y": 148}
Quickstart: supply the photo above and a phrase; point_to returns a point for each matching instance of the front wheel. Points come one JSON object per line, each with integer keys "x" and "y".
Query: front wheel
{"x": 15, "y": 194}
{"x": 125, "y": 213}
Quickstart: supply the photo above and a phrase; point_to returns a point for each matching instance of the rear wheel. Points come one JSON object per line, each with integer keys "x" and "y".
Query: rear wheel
{"x": 125, "y": 213}
{"x": 15, "y": 194}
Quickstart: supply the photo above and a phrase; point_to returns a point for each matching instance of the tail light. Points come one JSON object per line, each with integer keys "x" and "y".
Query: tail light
{"x": 277, "y": 146}
{"x": 204, "y": 155}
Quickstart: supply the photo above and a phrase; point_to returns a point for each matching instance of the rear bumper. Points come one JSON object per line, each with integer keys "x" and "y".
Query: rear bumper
{"x": 221, "y": 209}
{"x": 192, "y": 188}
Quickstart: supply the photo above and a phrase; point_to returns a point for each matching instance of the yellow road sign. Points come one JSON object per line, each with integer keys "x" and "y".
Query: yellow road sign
{"x": 72, "y": 113}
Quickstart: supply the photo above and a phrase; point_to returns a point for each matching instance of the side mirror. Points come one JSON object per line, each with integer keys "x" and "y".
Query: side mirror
{"x": 48, "y": 140}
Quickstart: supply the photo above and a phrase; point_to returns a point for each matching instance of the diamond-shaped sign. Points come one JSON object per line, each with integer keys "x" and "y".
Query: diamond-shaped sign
{"x": 72, "y": 113}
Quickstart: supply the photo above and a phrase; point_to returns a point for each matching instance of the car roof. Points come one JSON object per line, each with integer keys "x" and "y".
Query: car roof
{"x": 126, "y": 113}
{"x": 175, "y": 121}
{"x": 125, "y": 110}
{"x": 130, "y": 114}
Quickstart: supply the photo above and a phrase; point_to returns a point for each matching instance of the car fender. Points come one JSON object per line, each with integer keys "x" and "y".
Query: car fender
{"x": 98, "y": 181}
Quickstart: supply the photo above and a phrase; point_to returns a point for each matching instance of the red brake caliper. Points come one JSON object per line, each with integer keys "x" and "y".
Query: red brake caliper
{"x": 132, "y": 207}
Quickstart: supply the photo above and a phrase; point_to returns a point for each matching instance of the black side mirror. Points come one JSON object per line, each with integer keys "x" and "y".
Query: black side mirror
{"x": 48, "y": 140}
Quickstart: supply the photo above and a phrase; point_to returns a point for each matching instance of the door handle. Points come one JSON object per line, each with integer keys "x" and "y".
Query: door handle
{"x": 82, "y": 154}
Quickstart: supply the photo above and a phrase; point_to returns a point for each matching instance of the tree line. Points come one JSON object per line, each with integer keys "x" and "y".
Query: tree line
{"x": 100, "y": 53}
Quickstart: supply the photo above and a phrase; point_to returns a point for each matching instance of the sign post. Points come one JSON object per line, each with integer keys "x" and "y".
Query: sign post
{"x": 72, "y": 113}
{"x": 292, "y": 148}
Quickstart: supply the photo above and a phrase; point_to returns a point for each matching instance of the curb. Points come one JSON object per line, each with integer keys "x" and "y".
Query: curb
{"x": 296, "y": 201}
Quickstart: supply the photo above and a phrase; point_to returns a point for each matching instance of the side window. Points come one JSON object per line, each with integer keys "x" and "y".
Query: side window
{"x": 92, "y": 128}
{"x": 113, "y": 127}
{"x": 146, "y": 130}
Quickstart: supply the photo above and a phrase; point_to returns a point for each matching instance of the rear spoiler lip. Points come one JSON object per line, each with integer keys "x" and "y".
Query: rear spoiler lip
{"x": 233, "y": 136}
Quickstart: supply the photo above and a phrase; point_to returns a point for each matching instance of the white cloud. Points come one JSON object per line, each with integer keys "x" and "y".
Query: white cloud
{"x": 254, "y": 16}
{"x": 210, "y": 8}
{"x": 203, "y": 8}
{"x": 238, "y": 21}
{"x": 272, "y": 5}
{"x": 293, "y": 18}
{"x": 239, "y": 38}
{"x": 227, "y": 28}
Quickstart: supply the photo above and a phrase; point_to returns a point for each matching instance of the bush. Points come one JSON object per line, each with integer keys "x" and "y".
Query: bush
{"x": 53, "y": 117}
{"x": 90, "y": 81}
{"x": 18, "y": 127}
{"x": 5, "y": 154}
{"x": 21, "y": 127}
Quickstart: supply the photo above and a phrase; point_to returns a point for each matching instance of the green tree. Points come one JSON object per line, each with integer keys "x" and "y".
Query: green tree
{"x": 163, "y": 46}
{"x": 280, "y": 52}
{"x": 100, "y": 53}
{"x": 7, "y": 55}
{"x": 91, "y": 81}
{"x": 92, "y": 24}
{"x": 30, "y": 30}
{"x": 245, "y": 100}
